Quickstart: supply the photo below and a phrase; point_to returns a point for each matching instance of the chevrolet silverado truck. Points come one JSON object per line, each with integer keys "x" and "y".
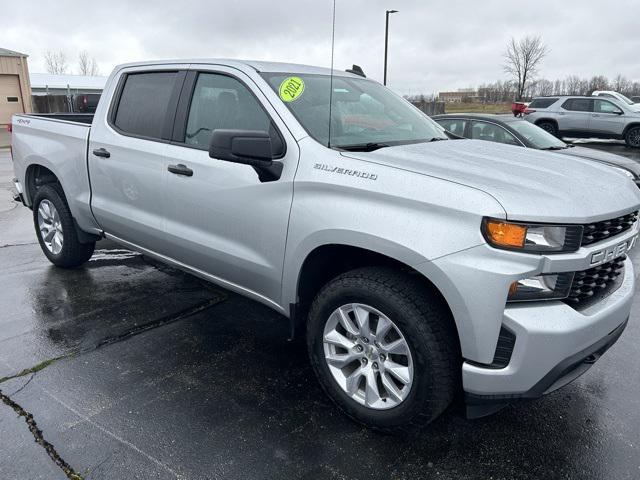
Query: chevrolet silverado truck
{"x": 417, "y": 266}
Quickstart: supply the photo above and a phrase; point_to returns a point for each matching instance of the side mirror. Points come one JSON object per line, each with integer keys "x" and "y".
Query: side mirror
{"x": 248, "y": 147}
{"x": 618, "y": 112}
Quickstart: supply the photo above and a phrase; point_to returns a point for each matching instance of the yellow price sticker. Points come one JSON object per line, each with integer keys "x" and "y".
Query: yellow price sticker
{"x": 291, "y": 88}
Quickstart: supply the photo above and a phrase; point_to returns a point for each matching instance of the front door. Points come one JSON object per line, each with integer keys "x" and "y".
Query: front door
{"x": 220, "y": 218}
{"x": 607, "y": 118}
{"x": 127, "y": 157}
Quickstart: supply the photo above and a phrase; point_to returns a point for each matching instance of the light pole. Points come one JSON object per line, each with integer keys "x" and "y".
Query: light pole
{"x": 386, "y": 42}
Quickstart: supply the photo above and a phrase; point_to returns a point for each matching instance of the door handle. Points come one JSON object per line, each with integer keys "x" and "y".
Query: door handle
{"x": 101, "y": 152}
{"x": 180, "y": 169}
{"x": 560, "y": 113}
{"x": 595, "y": 115}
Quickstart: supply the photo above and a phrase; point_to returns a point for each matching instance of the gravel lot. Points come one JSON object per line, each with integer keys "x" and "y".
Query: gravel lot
{"x": 130, "y": 369}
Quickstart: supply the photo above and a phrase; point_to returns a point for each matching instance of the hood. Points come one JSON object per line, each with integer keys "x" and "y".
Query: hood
{"x": 603, "y": 157}
{"x": 531, "y": 185}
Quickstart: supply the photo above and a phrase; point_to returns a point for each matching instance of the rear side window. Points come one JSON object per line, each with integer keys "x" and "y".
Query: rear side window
{"x": 454, "y": 126}
{"x": 542, "y": 102}
{"x": 144, "y": 103}
{"x": 577, "y": 105}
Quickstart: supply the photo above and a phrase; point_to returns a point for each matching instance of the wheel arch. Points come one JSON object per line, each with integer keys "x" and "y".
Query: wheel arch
{"x": 546, "y": 119}
{"x": 37, "y": 175}
{"x": 326, "y": 261}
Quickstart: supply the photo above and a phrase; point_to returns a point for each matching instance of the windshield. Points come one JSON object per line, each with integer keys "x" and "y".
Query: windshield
{"x": 625, "y": 99}
{"x": 364, "y": 114}
{"x": 538, "y": 137}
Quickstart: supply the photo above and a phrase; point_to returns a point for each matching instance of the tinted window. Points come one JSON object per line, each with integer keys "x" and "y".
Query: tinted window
{"x": 454, "y": 126}
{"x": 577, "y": 105}
{"x": 542, "y": 102}
{"x": 603, "y": 106}
{"x": 222, "y": 102}
{"x": 144, "y": 101}
{"x": 492, "y": 133}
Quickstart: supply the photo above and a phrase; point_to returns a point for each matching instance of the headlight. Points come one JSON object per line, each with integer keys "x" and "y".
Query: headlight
{"x": 554, "y": 286}
{"x": 532, "y": 238}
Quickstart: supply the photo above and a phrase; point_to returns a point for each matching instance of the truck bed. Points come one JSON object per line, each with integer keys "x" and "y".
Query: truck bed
{"x": 86, "y": 118}
{"x": 57, "y": 142}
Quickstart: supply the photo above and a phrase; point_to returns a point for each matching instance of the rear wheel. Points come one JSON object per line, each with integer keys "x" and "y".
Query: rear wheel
{"x": 550, "y": 127}
{"x": 632, "y": 137}
{"x": 384, "y": 348}
{"x": 56, "y": 230}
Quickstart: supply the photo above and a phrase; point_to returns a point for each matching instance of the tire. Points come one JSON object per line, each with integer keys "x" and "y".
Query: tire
{"x": 64, "y": 249}
{"x": 549, "y": 127}
{"x": 424, "y": 322}
{"x": 632, "y": 137}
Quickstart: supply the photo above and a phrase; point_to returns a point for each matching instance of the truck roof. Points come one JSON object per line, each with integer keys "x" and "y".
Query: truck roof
{"x": 257, "y": 65}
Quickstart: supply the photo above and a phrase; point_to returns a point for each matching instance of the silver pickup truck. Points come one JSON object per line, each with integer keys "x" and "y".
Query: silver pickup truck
{"x": 416, "y": 265}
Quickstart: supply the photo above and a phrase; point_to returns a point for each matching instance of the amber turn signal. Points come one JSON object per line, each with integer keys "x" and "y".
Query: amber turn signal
{"x": 506, "y": 234}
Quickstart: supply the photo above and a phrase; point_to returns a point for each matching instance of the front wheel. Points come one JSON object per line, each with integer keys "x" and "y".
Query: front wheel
{"x": 55, "y": 229}
{"x": 632, "y": 137}
{"x": 384, "y": 348}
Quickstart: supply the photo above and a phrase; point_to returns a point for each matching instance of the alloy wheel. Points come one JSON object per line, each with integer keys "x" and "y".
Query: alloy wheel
{"x": 368, "y": 356}
{"x": 50, "y": 227}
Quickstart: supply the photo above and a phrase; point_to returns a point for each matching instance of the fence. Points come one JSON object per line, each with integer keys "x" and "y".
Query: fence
{"x": 50, "y": 103}
{"x": 430, "y": 107}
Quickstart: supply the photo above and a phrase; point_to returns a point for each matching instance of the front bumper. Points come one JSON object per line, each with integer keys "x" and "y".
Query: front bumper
{"x": 552, "y": 338}
{"x": 563, "y": 373}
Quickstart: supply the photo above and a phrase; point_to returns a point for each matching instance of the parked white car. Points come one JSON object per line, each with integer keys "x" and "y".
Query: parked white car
{"x": 618, "y": 96}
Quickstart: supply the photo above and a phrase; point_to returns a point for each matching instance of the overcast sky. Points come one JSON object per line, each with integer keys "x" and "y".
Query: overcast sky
{"x": 434, "y": 45}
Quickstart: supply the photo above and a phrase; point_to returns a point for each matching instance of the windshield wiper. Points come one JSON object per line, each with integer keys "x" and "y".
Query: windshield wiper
{"x": 363, "y": 147}
{"x": 437, "y": 139}
{"x": 556, "y": 147}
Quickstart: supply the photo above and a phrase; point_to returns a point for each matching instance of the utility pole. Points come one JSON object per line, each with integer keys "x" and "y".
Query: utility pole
{"x": 386, "y": 42}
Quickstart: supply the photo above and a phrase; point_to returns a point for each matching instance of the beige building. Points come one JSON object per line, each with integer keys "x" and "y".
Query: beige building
{"x": 15, "y": 89}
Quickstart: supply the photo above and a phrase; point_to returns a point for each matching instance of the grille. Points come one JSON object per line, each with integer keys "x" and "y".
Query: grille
{"x": 598, "y": 231}
{"x": 591, "y": 285}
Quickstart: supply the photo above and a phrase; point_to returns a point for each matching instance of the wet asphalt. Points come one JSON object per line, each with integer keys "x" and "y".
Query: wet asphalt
{"x": 126, "y": 368}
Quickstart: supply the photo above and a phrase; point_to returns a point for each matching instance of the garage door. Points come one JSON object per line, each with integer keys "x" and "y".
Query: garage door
{"x": 10, "y": 100}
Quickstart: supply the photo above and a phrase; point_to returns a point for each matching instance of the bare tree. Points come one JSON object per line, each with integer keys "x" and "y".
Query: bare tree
{"x": 598, "y": 82}
{"x": 522, "y": 60}
{"x": 56, "y": 62}
{"x": 87, "y": 65}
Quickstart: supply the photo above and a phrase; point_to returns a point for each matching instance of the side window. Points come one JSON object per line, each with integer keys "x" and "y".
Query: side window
{"x": 144, "y": 103}
{"x": 577, "y": 105}
{"x": 491, "y": 133}
{"x": 454, "y": 126}
{"x": 222, "y": 102}
{"x": 542, "y": 102}
{"x": 603, "y": 106}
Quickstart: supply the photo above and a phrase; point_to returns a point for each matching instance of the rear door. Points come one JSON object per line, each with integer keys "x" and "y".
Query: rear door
{"x": 127, "y": 156}
{"x": 607, "y": 118}
{"x": 574, "y": 115}
{"x": 221, "y": 218}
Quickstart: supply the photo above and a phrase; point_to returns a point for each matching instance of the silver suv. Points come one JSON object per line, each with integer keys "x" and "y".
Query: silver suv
{"x": 594, "y": 117}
